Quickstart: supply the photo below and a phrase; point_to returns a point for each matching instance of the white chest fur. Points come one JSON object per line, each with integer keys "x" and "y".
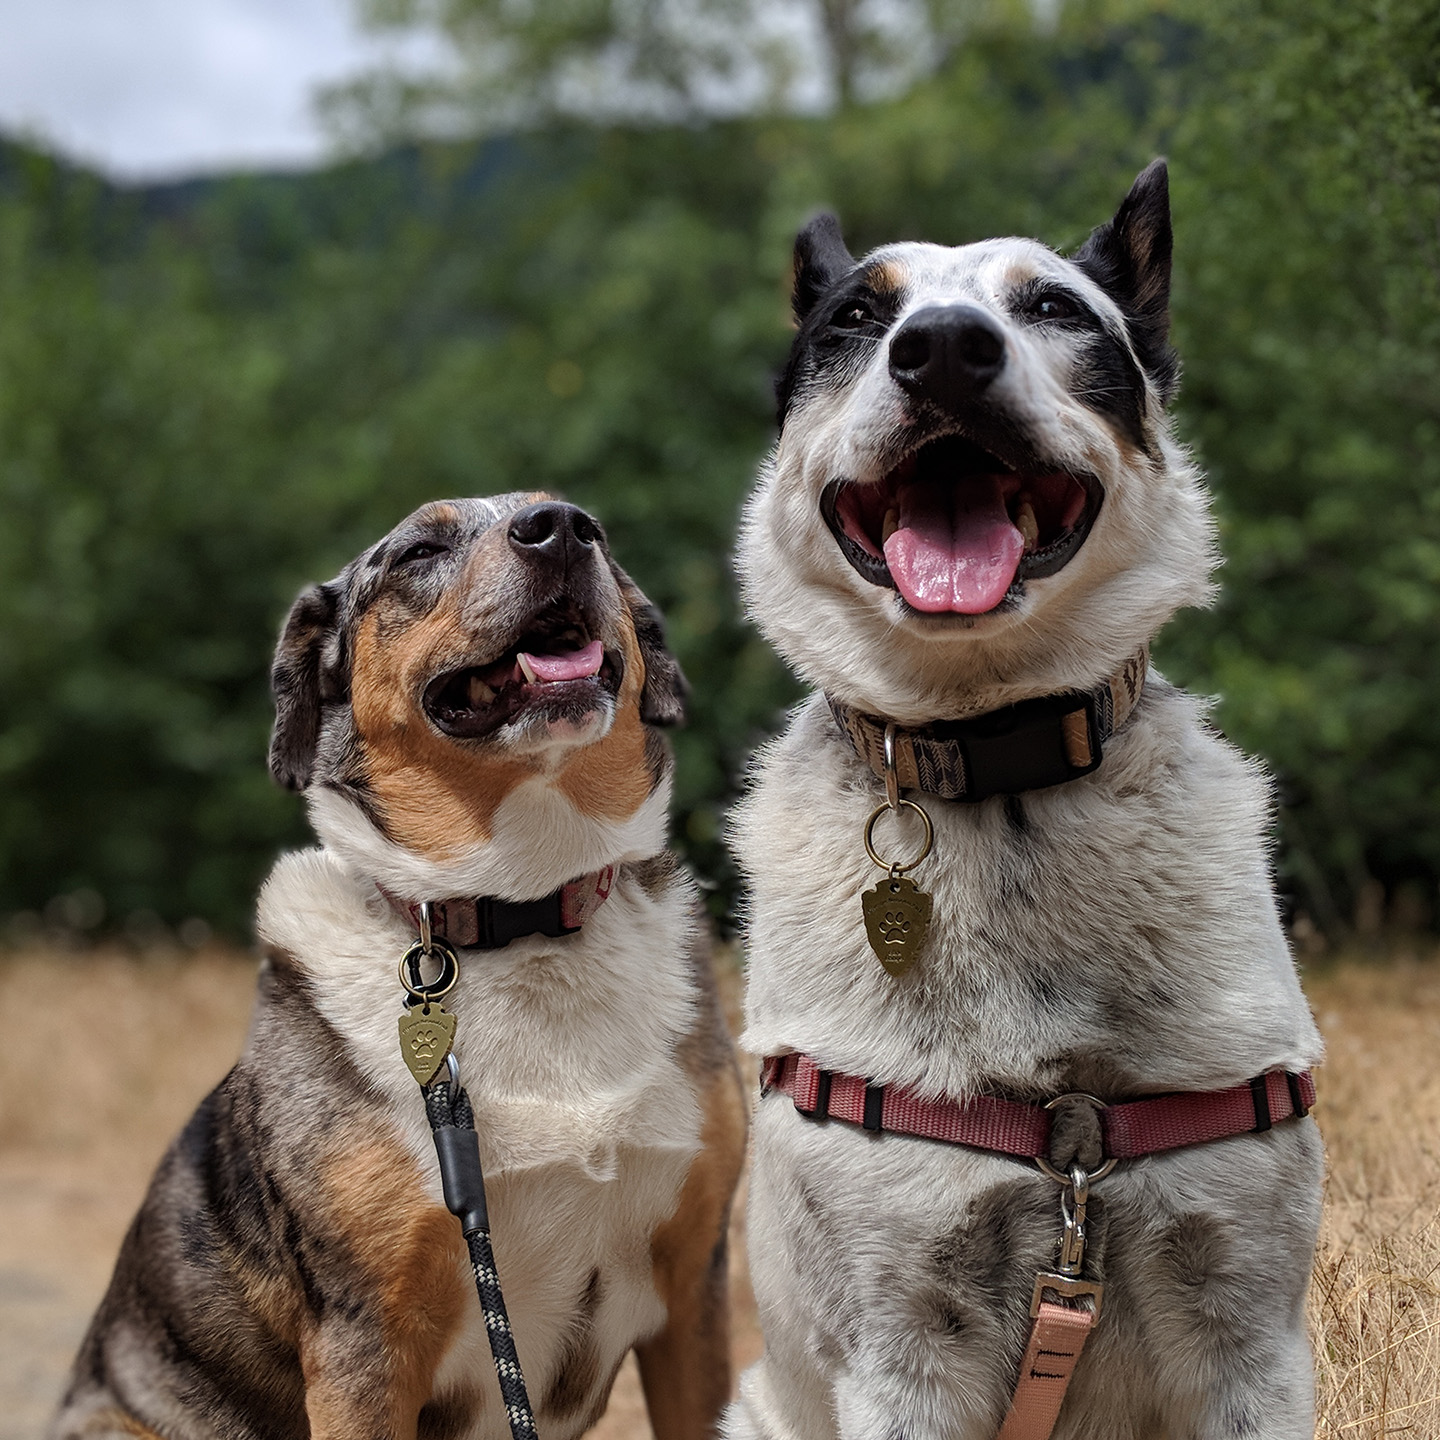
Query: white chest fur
{"x": 1123, "y": 923}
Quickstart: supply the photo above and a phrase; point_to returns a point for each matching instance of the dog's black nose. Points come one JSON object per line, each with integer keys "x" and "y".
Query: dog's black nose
{"x": 947, "y": 354}
{"x": 554, "y": 531}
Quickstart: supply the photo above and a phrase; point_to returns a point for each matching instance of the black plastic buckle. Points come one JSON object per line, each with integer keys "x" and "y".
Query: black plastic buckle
{"x": 1022, "y": 747}
{"x": 1297, "y": 1095}
{"x": 874, "y": 1106}
{"x": 501, "y": 921}
{"x": 1260, "y": 1097}
{"x": 822, "y": 1095}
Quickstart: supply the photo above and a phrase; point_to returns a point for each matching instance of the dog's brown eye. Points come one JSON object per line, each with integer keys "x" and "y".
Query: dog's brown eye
{"x": 421, "y": 550}
{"x": 1053, "y": 307}
{"x": 852, "y": 315}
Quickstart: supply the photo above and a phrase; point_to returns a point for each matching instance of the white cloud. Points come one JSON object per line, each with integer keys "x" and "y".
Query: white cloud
{"x": 151, "y": 88}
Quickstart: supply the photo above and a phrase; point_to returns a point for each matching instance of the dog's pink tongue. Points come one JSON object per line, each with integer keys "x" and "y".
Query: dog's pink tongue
{"x": 962, "y": 560}
{"x": 577, "y": 665}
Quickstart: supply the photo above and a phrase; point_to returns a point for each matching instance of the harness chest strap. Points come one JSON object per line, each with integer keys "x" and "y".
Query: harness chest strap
{"x": 1009, "y": 1127}
{"x": 1051, "y": 1354}
{"x": 1013, "y": 1127}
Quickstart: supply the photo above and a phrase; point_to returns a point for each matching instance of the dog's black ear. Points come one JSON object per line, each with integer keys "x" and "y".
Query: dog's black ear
{"x": 1129, "y": 257}
{"x": 295, "y": 679}
{"x": 820, "y": 260}
{"x": 662, "y": 697}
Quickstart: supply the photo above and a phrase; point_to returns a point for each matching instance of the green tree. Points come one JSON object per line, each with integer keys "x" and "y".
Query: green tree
{"x": 1308, "y": 184}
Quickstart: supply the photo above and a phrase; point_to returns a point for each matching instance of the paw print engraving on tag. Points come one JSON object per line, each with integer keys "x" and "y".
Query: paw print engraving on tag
{"x": 897, "y": 915}
{"x": 426, "y": 1034}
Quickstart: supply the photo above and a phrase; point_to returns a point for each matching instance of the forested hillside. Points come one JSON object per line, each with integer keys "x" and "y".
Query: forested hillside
{"x": 212, "y": 393}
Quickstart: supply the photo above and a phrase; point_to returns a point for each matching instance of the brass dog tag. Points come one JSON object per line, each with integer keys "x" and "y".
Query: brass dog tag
{"x": 897, "y": 914}
{"x": 426, "y": 1034}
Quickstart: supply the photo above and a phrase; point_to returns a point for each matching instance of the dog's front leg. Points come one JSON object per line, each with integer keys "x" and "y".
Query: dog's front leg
{"x": 918, "y": 1397}
{"x": 685, "y": 1367}
{"x": 354, "y": 1390}
{"x": 375, "y": 1332}
{"x": 1270, "y": 1397}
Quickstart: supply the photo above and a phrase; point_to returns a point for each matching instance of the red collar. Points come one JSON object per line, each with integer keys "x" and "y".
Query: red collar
{"x": 485, "y": 923}
{"x": 1013, "y": 1127}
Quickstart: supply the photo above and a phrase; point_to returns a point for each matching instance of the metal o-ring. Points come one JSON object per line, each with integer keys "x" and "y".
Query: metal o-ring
{"x": 1048, "y": 1170}
{"x": 444, "y": 982}
{"x": 1110, "y": 1161}
{"x": 896, "y": 868}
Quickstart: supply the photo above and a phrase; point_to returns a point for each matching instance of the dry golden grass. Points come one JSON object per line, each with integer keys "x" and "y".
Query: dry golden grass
{"x": 1375, "y": 1298}
{"x": 105, "y": 1056}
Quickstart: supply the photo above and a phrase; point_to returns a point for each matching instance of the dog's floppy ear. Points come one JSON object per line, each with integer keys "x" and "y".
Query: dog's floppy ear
{"x": 820, "y": 260}
{"x": 662, "y": 697}
{"x": 1129, "y": 257}
{"x": 295, "y": 679}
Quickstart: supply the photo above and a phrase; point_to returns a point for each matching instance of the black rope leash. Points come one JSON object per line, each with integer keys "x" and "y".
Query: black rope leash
{"x": 458, "y": 1146}
{"x": 427, "y": 1033}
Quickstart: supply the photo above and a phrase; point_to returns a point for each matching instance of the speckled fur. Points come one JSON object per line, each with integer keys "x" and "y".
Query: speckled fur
{"x": 292, "y": 1272}
{"x": 1117, "y": 934}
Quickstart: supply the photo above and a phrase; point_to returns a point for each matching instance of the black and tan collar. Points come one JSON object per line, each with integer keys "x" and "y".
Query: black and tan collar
{"x": 1027, "y": 746}
{"x": 487, "y": 923}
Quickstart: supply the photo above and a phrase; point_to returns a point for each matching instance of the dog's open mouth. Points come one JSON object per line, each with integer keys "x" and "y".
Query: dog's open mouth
{"x": 557, "y": 668}
{"x": 956, "y": 530}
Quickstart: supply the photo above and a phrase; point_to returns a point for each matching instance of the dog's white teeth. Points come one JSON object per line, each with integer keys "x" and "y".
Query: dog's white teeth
{"x": 1025, "y": 524}
{"x": 891, "y": 525}
{"x": 527, "y": 668}
{"x": 480, "y": 693}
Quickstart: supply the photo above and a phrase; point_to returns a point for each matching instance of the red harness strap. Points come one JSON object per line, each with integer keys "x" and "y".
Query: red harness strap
{"x": 1012, "y": 1127}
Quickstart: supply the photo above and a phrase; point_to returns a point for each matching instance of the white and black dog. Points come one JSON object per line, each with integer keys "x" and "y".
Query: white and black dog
{"x": 974, "y": 520}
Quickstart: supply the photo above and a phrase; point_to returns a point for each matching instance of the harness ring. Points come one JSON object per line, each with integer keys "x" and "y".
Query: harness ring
{"x": 443, "y": 983}
{"x": 896, "y": 868}
{"x": 1047, "y": 1169}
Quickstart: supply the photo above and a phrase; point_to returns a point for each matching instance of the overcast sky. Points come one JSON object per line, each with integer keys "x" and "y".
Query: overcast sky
{"x": 162, "y": 88}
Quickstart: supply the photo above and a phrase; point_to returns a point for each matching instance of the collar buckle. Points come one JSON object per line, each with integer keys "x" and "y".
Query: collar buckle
{"x": 1030, "y": 746}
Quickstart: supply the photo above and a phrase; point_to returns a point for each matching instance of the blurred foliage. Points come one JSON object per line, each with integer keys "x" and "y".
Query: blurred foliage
{"x": 211, "y": 393}
{"x": 1308, "y": 190}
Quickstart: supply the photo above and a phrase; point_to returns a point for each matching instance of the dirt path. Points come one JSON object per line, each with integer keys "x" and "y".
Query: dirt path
{"x": 92, "y": 1088}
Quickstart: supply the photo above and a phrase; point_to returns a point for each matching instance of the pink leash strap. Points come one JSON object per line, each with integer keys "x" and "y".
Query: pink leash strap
{"x": 1056, "y": 1340}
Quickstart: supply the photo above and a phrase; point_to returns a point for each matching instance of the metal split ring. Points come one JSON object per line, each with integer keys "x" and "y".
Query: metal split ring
{"x": 896, "y": 868}
{"x": 443, "y": 983}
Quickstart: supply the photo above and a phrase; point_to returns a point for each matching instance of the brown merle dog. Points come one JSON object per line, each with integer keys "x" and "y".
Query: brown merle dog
{"x": 471, "y": 709}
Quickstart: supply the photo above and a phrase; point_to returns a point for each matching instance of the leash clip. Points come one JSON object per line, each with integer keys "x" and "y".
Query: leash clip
{"x": 1066, "y": 1282}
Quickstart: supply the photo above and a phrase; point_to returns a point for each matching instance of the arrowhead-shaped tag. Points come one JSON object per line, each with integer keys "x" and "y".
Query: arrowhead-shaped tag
{"x": 426, "y": 1034}
{"x": 897, "y": 915}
